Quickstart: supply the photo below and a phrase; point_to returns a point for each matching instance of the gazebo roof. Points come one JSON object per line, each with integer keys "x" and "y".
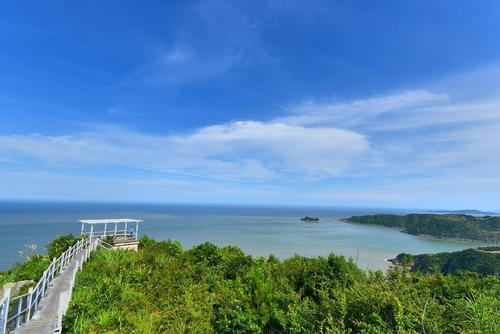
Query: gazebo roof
{"x": 109, "y": 221}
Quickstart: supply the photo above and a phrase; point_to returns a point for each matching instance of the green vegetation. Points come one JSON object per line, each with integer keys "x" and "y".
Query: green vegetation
{"x": 31, "y": 269}
{"x": 490, "y": 248}
{"x": 308, "y": 219}
{"x": 472, "y": 260}
{"x": 110, "y": 240}
{"x": 452, "y": 226}
{"x": 208, "y": 289}
{"x": 59, "y": 245}
{"x": 403, "y": 259}
{"x": 34, "y": 265}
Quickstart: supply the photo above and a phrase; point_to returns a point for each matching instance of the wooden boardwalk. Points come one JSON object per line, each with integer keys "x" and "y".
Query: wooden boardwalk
{"x": 45, "y": 318}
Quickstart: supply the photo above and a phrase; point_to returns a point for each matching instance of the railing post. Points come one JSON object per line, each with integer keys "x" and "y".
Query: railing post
{"x": 4, "y": 310}
{"x": 36, "y": 294}
{"x": 29, "y": 300}
{"x": 53, "y": 269}
{"x": 44, "y": 284}
{"x": 62, "y": 297}
{"x": 19, "y": 308}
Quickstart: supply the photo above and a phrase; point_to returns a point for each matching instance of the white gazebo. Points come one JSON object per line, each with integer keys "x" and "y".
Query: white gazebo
{"x": 124, "y": 230}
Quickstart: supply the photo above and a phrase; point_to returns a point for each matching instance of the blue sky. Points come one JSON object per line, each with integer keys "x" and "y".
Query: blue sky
{"x": 331, "y": 103}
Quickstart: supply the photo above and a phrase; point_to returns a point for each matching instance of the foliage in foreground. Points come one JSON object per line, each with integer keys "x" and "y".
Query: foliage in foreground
{"x": 59, "y": 245}
{"x": 34, "y": 265}
{"x": 208, "y": 289}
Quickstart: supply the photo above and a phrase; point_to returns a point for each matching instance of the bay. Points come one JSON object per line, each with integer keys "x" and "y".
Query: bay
{"x": 259, "y": 231}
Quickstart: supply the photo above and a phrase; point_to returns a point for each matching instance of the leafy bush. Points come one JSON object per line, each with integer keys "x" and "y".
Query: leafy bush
{"x": 34, "y": 265}
{"x": 209, "y": 289}
{"x": 57, "y": 246}
{"x": 31, "y": 269}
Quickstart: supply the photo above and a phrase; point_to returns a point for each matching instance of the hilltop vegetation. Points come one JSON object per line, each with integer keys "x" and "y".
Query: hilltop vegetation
{"x": 478, "y": 261}
{"x": 452, "y": 226}
{"x": 209, "y": 289}
{"x": 34, "y": 265}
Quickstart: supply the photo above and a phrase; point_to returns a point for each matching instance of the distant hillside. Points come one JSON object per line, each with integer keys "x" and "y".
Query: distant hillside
{"x": 478, "y": 261}
{"x": 467, "y": 212}
{"x": 454, "y": 226}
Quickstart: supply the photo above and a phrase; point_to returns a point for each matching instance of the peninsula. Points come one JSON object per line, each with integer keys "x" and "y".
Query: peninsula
{"x": 483, "y": 260}
{"x": 447, "y": 226}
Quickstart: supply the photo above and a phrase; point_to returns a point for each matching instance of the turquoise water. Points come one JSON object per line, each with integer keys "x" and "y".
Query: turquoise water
{"x": 258, "y": 231}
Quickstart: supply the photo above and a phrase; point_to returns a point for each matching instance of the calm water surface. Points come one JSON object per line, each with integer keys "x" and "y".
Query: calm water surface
{"x": 258, "y": 231}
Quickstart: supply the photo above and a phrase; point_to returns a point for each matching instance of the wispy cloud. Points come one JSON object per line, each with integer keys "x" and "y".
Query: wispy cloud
{"x": 359, "y": 111}
{"x": 222, "y": 37}
{"x": 181, "y": 65}
{"x": 235, "y": 150}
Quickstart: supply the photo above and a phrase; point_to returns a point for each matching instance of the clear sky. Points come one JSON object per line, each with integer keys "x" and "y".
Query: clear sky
{"x": 336, "y": 103}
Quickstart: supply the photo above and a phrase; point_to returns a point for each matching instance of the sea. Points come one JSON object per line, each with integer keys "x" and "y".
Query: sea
{"x": 259, "y": 231}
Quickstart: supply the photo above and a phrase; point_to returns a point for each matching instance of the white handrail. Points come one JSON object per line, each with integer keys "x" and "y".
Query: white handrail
{"x": 28, "y": 302}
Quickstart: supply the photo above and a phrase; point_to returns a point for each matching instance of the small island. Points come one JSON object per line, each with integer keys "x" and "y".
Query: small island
{"x": 308, "y": 219}
{"x": 446, "y": 226}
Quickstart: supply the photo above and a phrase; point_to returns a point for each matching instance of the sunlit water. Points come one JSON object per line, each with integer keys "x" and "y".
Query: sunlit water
{"x": 258, "y": 231}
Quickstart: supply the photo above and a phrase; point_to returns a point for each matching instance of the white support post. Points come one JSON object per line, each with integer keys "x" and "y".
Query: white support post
{"x": 19, "y": 309}
{"x": 4, "y": 312}
{"x": 29, "y": 300}
{"x": 126, "y": 232}
{"x": 136, "y": 230}
{"x": 44, "y": 284}
{"x": 91, "y": 231}
{"x": 105, "y": 228}
{"x": 116, "y": 229}
{"x": 83, "y": 229}
{"x": 60, "y": 311}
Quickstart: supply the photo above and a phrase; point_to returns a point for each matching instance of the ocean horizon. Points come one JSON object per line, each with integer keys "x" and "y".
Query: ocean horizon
{"x": 257, "y": 230}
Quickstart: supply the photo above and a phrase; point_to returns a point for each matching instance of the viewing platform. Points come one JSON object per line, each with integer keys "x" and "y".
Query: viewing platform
{"x": 122, "y": 233}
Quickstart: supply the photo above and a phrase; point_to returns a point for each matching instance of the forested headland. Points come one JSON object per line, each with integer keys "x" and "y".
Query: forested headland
{"x": 452, "y": 226}
{"x": 484, "y": 261}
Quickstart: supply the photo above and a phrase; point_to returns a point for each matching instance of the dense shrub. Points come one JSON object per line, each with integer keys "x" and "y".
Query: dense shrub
{"x": 31, "y": 269}
{"x": 57, "y": 246}
{"x": 34, "y": 265}
{"x": 210, "y": 289}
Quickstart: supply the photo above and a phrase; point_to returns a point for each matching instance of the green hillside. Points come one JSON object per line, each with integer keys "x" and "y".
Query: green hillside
{"x": 479, "y": 261}
{"x": 453, "y": 226}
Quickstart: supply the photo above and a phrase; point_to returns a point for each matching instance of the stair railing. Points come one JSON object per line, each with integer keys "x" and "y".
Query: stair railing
{"x": 18, "y": 310}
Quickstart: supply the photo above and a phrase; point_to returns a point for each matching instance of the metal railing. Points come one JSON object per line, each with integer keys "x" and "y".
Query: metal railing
{"x": 118, "y": 234}
{"x": 18, "y": 310}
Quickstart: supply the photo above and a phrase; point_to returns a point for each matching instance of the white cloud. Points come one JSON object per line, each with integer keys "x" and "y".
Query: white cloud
{"x": 357, "y": 112}
{"x": 235, "y": 150}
